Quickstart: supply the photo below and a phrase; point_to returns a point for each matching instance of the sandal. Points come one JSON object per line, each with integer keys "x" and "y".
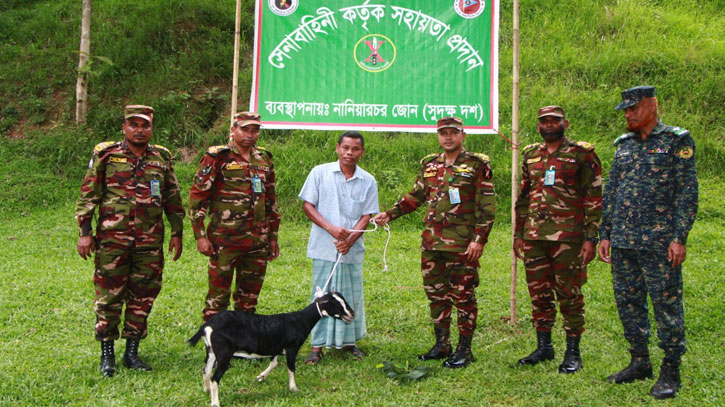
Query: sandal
{"x": 354, "y": 351}
{"x": 313, "y": 358}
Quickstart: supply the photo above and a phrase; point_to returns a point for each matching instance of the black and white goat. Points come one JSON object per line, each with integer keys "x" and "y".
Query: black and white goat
{"x": 260, "y": 336}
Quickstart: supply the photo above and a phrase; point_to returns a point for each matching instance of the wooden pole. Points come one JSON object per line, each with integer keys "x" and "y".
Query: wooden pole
{"x": 235, "y": 78}
{"x": 514, "y": 159}
{"x": 83, "y": 55}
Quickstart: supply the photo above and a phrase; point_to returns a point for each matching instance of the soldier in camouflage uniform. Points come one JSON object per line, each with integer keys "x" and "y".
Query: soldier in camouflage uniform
{"x": 650, "y": 203}
{"x": 132, "y": 183}
{"x": 457, "y": 189}
{"x": 557, "y": 216}
{"x": 234, "y": 187}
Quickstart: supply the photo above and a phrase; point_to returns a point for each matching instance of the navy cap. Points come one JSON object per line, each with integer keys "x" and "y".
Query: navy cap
{"x": 632, "y": 96}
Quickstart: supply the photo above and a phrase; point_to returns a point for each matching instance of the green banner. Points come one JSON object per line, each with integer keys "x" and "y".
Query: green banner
{"x": 377, "y": 65}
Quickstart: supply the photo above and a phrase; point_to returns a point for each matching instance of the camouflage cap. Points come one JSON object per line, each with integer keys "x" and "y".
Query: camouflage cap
{"x": 632, "y": 96}
{"x": 144, "y": 112}
{"x": 553, "y": 110}
{"x": 450, "y": 121}
{"x": 242, "y": 119}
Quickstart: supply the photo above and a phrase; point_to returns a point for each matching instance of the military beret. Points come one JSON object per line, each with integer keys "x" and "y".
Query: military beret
{"x": 632, "y": 96}
{"x": 144, "y": 112}
{"x": 450, "y": 121}
{"x": 556, "y": 111}
{"x": 242, "y": 119}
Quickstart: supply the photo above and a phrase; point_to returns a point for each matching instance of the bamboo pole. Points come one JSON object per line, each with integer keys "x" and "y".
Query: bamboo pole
{"x": 83, "y": 56}
{"x": 514, "y": 159}
{"x": 235, "y": 78}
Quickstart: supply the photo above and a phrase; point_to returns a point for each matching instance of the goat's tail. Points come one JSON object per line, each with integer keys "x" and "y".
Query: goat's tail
{"x": 194, "y": 339}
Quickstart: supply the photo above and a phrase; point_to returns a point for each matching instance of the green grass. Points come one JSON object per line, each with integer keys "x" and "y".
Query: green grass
{"x": 48, "y": 355}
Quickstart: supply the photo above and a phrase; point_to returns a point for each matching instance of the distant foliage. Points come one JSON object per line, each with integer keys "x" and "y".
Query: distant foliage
{"x": 176, "y": 55}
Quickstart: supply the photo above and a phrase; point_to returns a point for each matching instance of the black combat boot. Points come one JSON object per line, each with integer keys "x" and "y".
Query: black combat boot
{"x": 668, "y": 383}
{"x": 572, "y": 358}
{"x": 639, "y": 368}
{"x": 463, "y": 355}
{"x": 108, "y": 359}
{"x": 130, "y": 357}
{"x": 442, "y": 348}
{"x": 544, "y": 350}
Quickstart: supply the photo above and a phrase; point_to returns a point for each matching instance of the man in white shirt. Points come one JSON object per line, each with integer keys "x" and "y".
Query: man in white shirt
{"x": 339, "y": 197}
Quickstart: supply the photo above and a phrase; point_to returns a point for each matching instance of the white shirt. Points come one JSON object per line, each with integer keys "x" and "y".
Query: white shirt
{"x": 341, "y": 202}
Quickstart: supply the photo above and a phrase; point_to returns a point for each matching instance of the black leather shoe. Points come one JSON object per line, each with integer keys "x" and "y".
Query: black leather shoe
{"x": 544, "y": 350}
{"x": 639, "y": 368}
{"x": 463, "y": 355}
{"x": 130, "y": 357}
{"x": 442, "y": 348}
{"x": 108, "y": 359}
{"x": 668, "y": 383}
{"x": 572, "y": 357}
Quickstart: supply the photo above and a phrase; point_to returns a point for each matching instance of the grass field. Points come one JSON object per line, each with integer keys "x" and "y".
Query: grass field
{"x": 48, "y": 355}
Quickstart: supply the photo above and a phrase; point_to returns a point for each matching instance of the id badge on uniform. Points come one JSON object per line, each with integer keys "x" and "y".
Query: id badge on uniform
{"x": 155, "y": 188}
{"x": 257, "y": 185}
{"x": 550, "y": 177}
{"x": 454, "y": 195}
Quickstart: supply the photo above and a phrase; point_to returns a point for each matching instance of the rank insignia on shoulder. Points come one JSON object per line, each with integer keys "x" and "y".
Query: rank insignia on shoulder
{"x": 102, "y": 146}
{"x": 585, "y": 145}
{"x": 162, "y": 148}
{"x": 533, "y": 160}
{"x": 118, "y": 159}
{"x": 530, "y": 147}
{"x": 428, "y": 158}
{"x": 482, "y": 157}
{"x": 214, "y": 150}
{"x": 685, "y": 152}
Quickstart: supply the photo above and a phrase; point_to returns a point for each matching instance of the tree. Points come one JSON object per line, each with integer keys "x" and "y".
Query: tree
{"x": 83, "y": 57}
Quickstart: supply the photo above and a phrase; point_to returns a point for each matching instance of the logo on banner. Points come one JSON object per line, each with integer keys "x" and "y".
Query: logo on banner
{"x": 283, "y": 7}
{"x": 375, "y": 53}
{"x": 469, "y": 8}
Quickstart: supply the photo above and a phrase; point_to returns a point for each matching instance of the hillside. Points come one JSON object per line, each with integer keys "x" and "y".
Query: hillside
{"x": 177, "y": 57}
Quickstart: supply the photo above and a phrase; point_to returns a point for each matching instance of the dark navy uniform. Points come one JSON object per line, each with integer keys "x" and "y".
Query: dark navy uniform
{"x": 649, "y": 202}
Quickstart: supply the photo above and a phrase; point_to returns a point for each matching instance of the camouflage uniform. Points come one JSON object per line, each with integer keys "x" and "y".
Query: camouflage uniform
{"x": 448, "y": 278}
{"x": 650, "y": 201}
{"x": 131, "y": 194}
{"x": 554, "y": 222}
{"x": 242, "y": 222}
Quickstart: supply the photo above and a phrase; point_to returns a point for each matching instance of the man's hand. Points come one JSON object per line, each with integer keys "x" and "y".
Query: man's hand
{"x": 338, "y": 232}
{"x": 381, "y": 219}
{"x": 587, "y": 252}
{"x": 176, "y": 246}
{"x": 342, "y": 246}
{"x": 86, "y": 246}
{"x": 474, "y": 251}
{"x": 604, "y": 251}
{"x": 676, "y": 253}
{"x": 273, "y": 250}
{"x": 519, "y": 248}
{"x": 205, "y": 247}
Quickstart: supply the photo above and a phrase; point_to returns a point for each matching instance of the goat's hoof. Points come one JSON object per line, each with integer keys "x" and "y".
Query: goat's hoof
{"x": 294, "y": 389}
{"x": 261, "y": 378}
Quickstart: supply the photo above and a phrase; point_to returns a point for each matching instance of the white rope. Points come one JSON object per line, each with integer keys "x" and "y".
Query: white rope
{"x": 319, "y": 292}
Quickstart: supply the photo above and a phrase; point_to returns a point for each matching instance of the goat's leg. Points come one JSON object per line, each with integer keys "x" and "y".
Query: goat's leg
{"x": 210, "y": 360}
{"x": 291, "y": 355}
{"x": 269, "y": 368}
{"x": 221, "y": 367}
